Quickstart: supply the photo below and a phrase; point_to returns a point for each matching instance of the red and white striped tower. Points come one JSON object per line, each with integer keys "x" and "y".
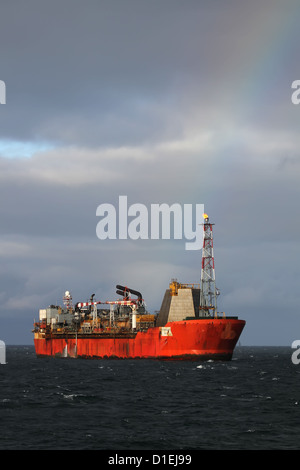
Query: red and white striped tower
{"x": 208, "y": 290}
{"x": 67, "y": 299}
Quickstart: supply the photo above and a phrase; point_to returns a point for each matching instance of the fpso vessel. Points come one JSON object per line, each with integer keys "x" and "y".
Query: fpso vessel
{"x": 187, "y": 327}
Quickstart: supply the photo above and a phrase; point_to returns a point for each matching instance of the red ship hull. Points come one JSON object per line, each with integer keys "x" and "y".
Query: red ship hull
{"x": 213, "y": 338}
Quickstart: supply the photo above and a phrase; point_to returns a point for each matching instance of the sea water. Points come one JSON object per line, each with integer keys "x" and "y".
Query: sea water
{"x": 251, "y": 402}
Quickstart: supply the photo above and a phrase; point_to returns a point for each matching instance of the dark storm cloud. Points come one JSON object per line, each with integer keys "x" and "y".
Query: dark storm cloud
{"x": 109, "y": 72}
{"x": 74, "y": 70}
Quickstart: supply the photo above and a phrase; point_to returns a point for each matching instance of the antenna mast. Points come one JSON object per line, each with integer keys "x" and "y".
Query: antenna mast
{"x": 208, "y": 290}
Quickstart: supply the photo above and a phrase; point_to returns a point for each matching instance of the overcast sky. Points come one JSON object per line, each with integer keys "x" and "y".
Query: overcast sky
{"x": 163, "y": 101}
